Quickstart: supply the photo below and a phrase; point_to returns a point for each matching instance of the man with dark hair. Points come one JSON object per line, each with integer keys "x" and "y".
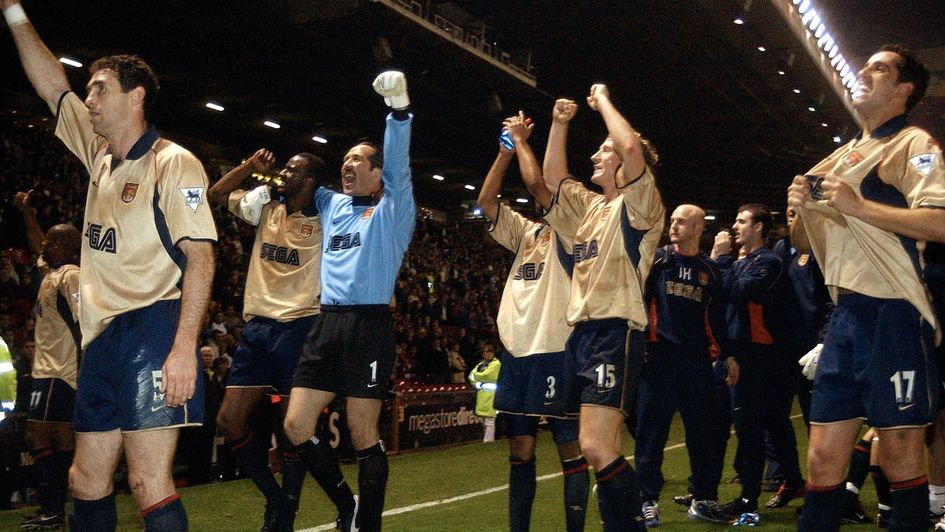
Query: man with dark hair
{"x": 911, "y": 70}
{"x": 55, "y": 363}
{"x": 755, "y": 289}
{"x": 279, "y": 306}
{"x": 350, "y": 351}
{"x": 376, "y": 158}
{"x": 131, "y": 72}
{"x": 863, "y": 211}
{"x": 147, "y": 267}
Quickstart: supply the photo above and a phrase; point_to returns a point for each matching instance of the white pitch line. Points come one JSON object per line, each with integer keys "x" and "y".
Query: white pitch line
{"x": 449, "y": 500}
{"x": 428, "y": 504}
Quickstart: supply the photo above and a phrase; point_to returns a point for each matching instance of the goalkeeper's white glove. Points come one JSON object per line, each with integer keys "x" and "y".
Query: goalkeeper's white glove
{"x": 392, "y": 85}
{"x": 809, "y": 361}
{"x": 252, "y": 203}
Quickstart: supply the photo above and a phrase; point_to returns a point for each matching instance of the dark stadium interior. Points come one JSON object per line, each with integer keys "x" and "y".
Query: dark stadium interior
{"x": 729, "y": 128}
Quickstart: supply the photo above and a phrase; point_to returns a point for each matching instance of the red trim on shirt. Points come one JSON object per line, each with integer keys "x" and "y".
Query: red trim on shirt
{"x": 756, "y": 320}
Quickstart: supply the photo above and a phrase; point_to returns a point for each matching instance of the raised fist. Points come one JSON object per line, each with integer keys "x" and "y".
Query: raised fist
{"x": 598, "y": 90}
{"x": 520, "y": 128}
{"x": 392, "y": 85}
{"x": 722, "y": 245}
{"x": 564, "y": 110}
{"x": 22, "y": 201}
{"x": 262, "y": 160}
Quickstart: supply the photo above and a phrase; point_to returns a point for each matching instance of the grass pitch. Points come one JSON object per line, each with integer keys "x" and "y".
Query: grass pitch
{"x": 436, "y": 475}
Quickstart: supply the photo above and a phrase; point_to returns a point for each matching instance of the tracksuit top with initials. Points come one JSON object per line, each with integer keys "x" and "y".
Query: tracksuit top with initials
{"x": 364, "y": 242}
{"x": 679, "y": 292}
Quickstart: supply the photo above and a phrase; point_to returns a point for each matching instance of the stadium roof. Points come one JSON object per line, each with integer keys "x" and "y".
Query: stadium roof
{"x": 730, "y": 128}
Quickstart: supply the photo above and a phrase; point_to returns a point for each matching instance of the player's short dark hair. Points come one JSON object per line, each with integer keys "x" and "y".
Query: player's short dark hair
{"x": 314, "y": 167}
{"x": 132, "y": 72}
{"x": 911, "y": 70}
{"x": 377, "y": 158}
{"x": 759, "y": 214}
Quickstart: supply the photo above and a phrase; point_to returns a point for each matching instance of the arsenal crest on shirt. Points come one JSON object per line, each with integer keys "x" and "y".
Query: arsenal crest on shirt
{"x": 307, "y": 230}
{"x": 129, "y": 192}
{"x": 853, "y": 158}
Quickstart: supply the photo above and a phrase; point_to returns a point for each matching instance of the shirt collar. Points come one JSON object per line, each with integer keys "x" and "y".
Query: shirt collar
{"x": 890, "y": 127}
{"x": 142, "y": 145}
{"x": 362, "y": 201}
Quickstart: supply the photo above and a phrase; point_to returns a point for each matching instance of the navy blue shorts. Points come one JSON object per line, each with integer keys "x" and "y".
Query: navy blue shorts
{"x": 120, "y": 377}
{"x": 51, "y": 400}
{"x": 349, "y": 352}
{"x": 534, "y": 385}
{"x": 562, "y": 430}
{"x": 605, "y": 359}
{"x": 268, "y": 354}
{"x": 877, "y": 364}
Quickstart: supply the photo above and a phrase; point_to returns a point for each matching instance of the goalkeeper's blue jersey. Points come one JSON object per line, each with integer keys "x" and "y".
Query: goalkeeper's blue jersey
{"x": 364, "y": 242}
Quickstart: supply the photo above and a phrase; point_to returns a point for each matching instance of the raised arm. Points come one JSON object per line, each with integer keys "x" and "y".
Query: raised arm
{"x": 626, "y": 140}
{"x": 520, "y": 130}
{"x": 34, "y": 233}
{"x": 258, "y": 162}
{"x": 492, "y": 184}
{"x": 392, "y": 85}
{"x": 42, "y": 68}
{"x": 555, "y": 166}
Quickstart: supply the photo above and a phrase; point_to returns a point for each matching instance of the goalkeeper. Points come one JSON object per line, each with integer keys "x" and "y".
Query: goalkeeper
{"x": 350, "y": 350}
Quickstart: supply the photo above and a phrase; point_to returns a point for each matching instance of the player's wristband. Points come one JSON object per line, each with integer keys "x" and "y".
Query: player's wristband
{"x": 15, "y": 16}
